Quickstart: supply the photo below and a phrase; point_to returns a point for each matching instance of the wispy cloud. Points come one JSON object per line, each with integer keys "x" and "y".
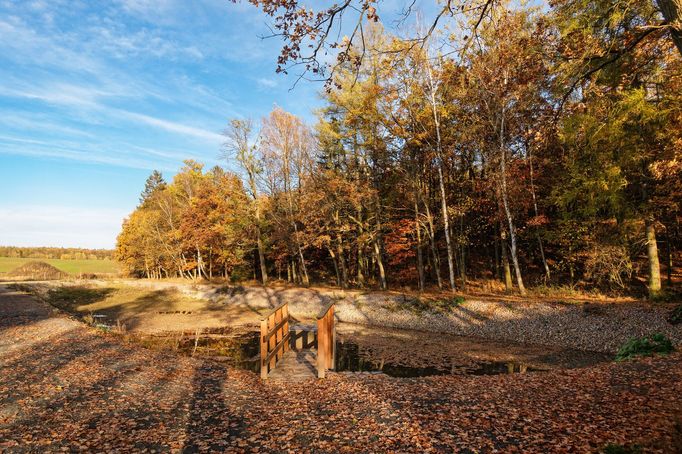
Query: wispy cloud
{"x": 92, "y": 98}
{"x": 59, "y": 94}
{"x": 176, "y": 128}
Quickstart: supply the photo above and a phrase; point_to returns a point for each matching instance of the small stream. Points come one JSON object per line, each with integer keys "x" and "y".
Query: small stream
{"x": 349, "y": 358}
{"x": 355, "y": 354}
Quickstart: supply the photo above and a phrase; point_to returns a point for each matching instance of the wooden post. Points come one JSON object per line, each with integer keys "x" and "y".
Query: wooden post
{"x": 263, "y": 349}
{"x": 330, "y": 335}
{"x": 326, "y": 341}
{"x": 321, "y": 348}
{"x": 285, "y": 314}
{"x": 278, "y": 333}
{"x": 333, "y": 327}
{"x": 272, "y": 343}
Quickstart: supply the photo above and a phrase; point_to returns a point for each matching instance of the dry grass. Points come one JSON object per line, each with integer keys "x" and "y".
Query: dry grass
{"x": 121, "y": 300}
{"x": 36, "y": 270}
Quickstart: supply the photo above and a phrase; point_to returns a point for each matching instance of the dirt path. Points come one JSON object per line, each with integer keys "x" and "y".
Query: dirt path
{"x": 64, "y": 386}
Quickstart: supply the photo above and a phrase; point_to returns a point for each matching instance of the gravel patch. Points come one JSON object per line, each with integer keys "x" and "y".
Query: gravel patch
{"x": 602, "y": 327}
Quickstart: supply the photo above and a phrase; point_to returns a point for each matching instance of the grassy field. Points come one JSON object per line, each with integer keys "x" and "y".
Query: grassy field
{"x": 8, "y": 264}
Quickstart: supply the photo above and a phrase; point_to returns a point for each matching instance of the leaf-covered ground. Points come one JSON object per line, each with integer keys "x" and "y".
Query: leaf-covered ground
{"x": 67, "y": 387}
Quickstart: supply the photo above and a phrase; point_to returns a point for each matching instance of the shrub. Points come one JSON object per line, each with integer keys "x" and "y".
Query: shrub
{"x": 675, "y": 316}
{"x": 645, "y": 346}
{"x": 608, "y": 264}
{"x": 613, "y": 448}
{"x": 36, "y": 270}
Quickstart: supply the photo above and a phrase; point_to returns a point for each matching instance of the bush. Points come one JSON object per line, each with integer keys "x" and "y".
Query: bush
{"x": 645, "y": 346}
{"x": 608, "y": 265}
{"x": 613, "y": 448}
{"x": 675, "y": 316}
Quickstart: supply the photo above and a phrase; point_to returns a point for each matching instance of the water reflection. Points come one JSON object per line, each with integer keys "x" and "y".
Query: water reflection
{"x": 242, "y": 350}
{"x": 351, "y": 359}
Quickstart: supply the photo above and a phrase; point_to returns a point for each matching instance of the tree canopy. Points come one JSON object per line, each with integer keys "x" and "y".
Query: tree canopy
{"x": 547, "y": 149}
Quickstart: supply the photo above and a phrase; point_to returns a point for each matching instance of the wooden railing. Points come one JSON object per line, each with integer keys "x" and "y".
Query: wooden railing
{"x": 274, "y": 338}
{"x": 326, "y": 340}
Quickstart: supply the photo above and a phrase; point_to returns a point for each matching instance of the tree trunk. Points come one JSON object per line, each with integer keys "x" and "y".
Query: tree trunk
{"x": 446, "y": 227}
{"x": 378, "y": 244}
{"x": 669, "y": 268}
{"x": 512, "y": 237}
{"x": 380, "y": 265}
{"x": 304, "y": 269}
{"x": 505, "y": 261}
{"x": 672, "y": 12}
{"x": 432, "y": 242}
{"x": 342, "y": 261}
{"x": 497, "y": 255}
{"x": 420, "y": 259}
{"x": 463, "y": 269}
{"x": 294, "y": 272}
{"x": 439, "y": 152}
{"x": 652, "y": 253}
{"x": 336, "y": 266}
{"x": 535, "y": 208}
{"x": 462, "y": 252}
{"x": 261, "y": 254}
{"x": 210, "y": 263}
{"x": 507, "y": 211}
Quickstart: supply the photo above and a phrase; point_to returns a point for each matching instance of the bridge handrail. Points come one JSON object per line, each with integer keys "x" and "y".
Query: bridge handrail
{"x": 274, "y": 338}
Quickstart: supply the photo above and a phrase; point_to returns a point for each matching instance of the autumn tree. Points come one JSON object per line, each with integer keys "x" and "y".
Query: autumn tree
{"x": 288, "y": 146}
{"x": 242, "y": 147}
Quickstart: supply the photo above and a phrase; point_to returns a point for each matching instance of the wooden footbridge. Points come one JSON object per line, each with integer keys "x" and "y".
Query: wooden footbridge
{"x": 291, "y": 352}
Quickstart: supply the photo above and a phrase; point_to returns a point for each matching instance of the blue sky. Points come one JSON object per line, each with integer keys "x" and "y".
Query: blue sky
{"x": 94, "y": 95}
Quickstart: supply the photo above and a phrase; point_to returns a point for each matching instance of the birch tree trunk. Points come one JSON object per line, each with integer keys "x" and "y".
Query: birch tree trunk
{"x": 361, "y": 259}
{"x": 342, "y": 261}
{"x": 432, "y": 242}
{"x": 380, "y": 265}
{"x": 439, "y": 152}
{"x": 420, "y": 259}
{"x": 505, "y": 261}
{"x": 259, "y": 244}
{"x": 336, "y": 266}
{"x": 535, "y": 207}
{"x": 507, "y": 211}
{"x": 652, "y": 254}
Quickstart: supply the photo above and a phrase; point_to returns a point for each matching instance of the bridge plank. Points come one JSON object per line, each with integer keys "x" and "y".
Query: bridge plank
{"x": 295, "y": 366}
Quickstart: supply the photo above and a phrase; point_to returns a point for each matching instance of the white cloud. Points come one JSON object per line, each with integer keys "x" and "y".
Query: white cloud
{"x": 148, "y": 6}
{"x": 23, "y": 44}
{"x": 70, "y": 95}
{"x": 24, "y": 121}
{"x": 53, "y": 225}
{"x": 120, "y": 42}
{"x": 266, "y": 82}
{"x": 91, "y": 153}
{"x": 177, "y": 128}
{"x": 59, "y": 94}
